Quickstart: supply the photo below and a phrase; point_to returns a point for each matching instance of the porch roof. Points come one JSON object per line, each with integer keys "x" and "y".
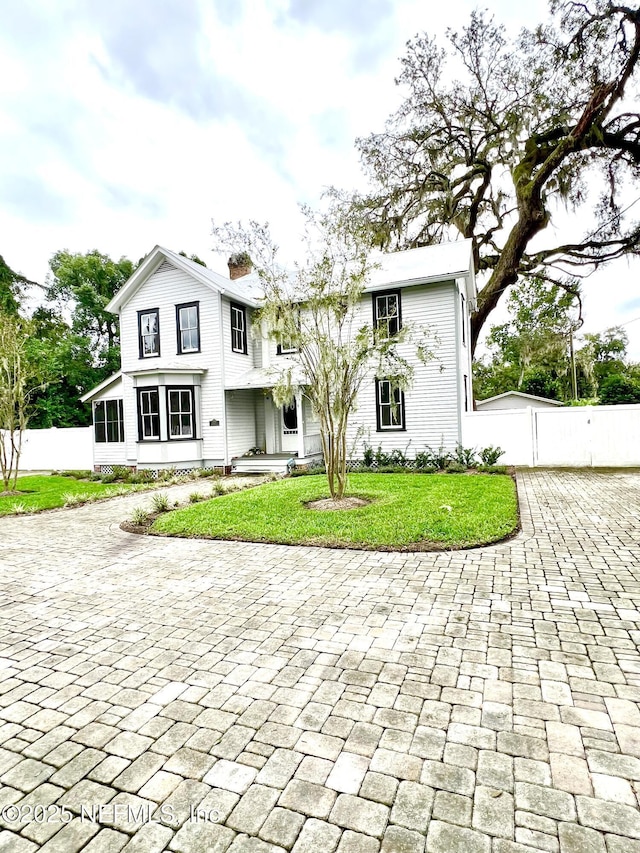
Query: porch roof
{"x": 257, "y": 377}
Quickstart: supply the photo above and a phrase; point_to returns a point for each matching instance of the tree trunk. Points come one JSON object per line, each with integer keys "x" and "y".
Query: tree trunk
{"x": 533, "y": 218}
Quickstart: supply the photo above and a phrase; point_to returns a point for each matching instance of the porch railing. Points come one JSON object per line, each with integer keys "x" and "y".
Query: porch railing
{"x": 312, "y": 444}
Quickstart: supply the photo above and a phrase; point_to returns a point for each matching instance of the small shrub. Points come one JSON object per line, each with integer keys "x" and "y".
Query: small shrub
{"x": 77, "y": 499}
{"x": 95, "y": 478}
{"x": 455, "y": 468}
{"x": 491, "y": 454}
{"x": 423, "y": 460}
{"x": 397, "y": 458}
{"x": 465, "y": 456}
{"x": 121, "y": 472}
{"x": 380, "y": 458}
{"x": 166, "y": 474}
{"x": 434, "y": 458}
{"x": 160, "y": 502}
{"x": 139, "y": 516}
{"x": 217, "y": 489}
{"x": 109, "y": 478}
{"x": 77, "y": 475}
{"x": 367, "y": 456}
{"x": 143, "y": 476}
{"x": 492, "y": 469}
{"x": 195, "y": 497}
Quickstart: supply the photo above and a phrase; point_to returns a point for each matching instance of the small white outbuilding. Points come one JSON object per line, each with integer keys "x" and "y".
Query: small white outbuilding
{"x": 515, "y": 400}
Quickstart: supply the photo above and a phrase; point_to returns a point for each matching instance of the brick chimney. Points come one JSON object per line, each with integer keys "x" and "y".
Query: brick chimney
{"x": 240, "y": 264}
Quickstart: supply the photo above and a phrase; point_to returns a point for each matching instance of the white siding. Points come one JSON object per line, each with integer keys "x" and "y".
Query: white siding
{"x": 261, "y": 438}
{"x": 255, "y": 341}
{"x": 235, "y": 363}
{"x": 241, "y": 422}
{"x": 311, "y": 422}
{"x": 164, "y": 289}
{"x": 130, "y": 420}
{"x": 431, "y": 404}
{"x": 112, "y": 452}
{"x": 463, "y": 333}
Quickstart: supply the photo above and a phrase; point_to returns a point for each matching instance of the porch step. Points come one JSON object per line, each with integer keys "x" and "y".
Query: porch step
{"x": 261, "y": 464}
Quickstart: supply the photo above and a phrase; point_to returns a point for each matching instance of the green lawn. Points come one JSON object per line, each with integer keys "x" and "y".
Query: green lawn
{"x": 48, "y": 492}
{"x": 408, "y": 511}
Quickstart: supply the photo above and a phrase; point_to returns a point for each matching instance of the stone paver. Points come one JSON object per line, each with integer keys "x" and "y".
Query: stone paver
{"x": 231, "y": 696}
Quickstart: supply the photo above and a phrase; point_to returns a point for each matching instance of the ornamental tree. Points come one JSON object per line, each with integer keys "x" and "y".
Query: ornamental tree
{"x": 314, "y": 308}
{"x": 18, "y": 383}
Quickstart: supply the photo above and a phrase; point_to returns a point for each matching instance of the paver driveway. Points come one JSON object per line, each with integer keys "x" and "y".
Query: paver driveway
{"x": 319, "y": 699}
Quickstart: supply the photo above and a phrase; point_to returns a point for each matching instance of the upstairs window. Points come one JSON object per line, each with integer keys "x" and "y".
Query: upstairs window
{"x": 149, "y": 333}
{"x": 285, "y": 347}
{"x": 389, "y": 406}
{"x": 148, "y": 414}
{"x": 108, "y": 421}
{"x": 387, "y": 317}
{"x": 188, "y": 325}
{"x": 180, "y": 410}
{"x": 238, "y": 328}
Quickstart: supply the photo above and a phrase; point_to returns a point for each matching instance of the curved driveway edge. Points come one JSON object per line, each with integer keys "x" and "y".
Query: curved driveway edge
{"x": 197, "y": 695}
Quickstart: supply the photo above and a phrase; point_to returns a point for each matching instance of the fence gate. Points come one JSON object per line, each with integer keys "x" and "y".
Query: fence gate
{"x": 563, "y": 437}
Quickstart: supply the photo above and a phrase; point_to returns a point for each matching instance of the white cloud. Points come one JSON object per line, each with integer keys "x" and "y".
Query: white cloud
{"x": 127, "y": 125}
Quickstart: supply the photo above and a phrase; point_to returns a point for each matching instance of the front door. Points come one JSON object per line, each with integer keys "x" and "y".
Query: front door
{"x": 289, "y": 441}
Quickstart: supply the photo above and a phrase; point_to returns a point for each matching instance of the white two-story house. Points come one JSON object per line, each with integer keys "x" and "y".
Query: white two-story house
{"x": 194, "y": 387}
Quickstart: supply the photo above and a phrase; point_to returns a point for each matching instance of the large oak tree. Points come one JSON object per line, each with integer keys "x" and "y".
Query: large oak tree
{"x": 496, "y": 135}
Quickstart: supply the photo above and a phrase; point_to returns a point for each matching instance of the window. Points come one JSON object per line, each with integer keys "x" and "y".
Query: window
{"x": 464, "y": 320}
{"x": 188, "y": 326}
{"x": 108, "y": 421}
{"x": 149, "y": 333}
{"x": 148, "y": 414}
{"x": 389, "y": 406}
{"x": 238, "y": 328}
{"x": 466, "y": 394}
{"x": 285, "y": 347}
{"x": 180, "y": 410}
{"x": 290, "y": 419}
{"x": 386, "y": 313}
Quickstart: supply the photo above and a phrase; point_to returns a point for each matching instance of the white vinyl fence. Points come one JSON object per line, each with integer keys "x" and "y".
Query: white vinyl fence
{"x": 580, "y": 436}
{"x": 62, "y": 449}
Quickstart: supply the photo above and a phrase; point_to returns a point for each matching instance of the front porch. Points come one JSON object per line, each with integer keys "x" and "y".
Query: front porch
{"x": 265, "y": 437}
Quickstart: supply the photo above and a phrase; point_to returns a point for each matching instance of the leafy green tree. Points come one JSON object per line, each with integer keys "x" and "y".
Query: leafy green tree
{"x": 84, "y": 284}
{"x": 609, "y": 352}
{"x": 65, "y": 361}
{"x": 542, "y": 383}
{"x": 530, "y": 352}
{"x": 496, "y": 135}
{"x": 617, "y": 389}
{"x": 12, "y": 288}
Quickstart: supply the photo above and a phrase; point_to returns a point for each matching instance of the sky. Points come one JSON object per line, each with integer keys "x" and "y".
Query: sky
{"x": 130, "y": 123}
